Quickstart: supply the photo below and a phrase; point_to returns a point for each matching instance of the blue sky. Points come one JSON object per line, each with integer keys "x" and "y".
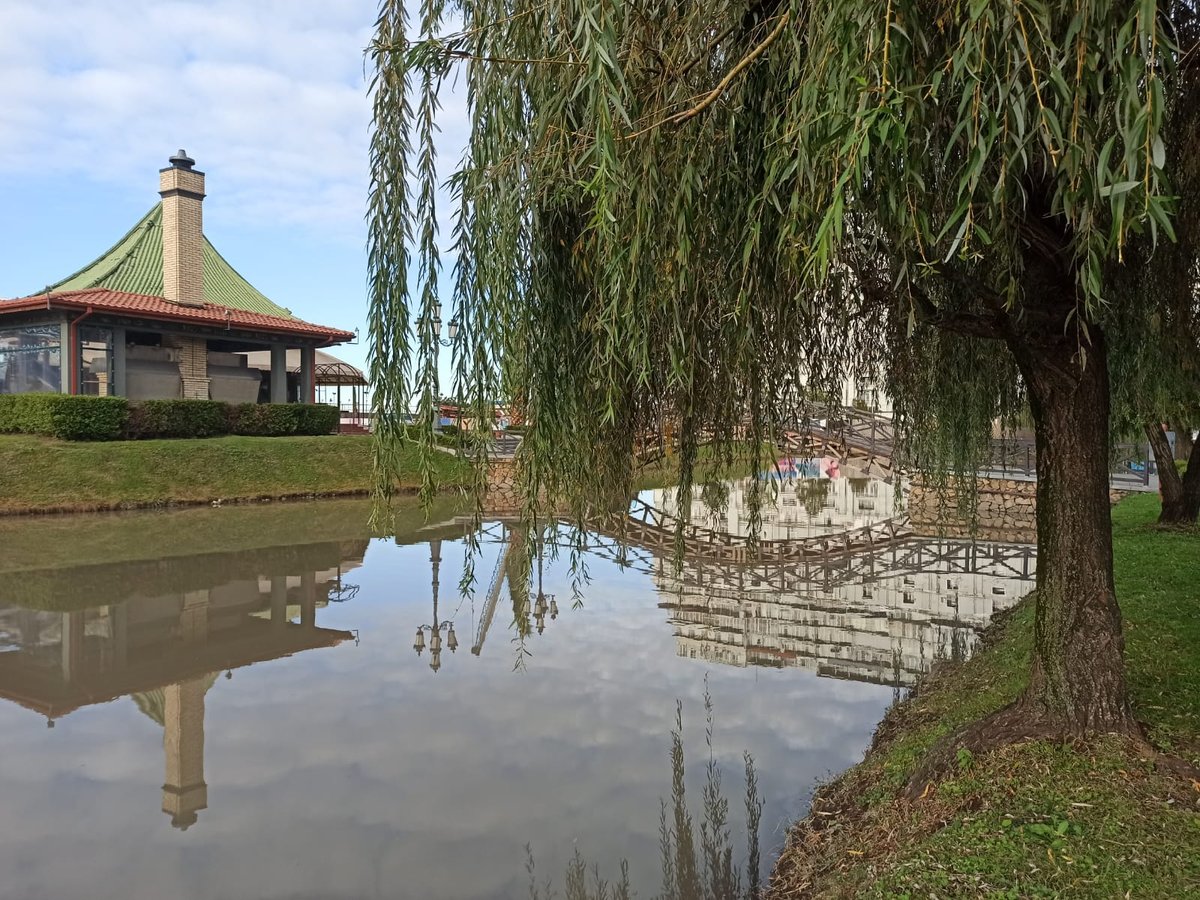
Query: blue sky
{"x": 269, "y": 97}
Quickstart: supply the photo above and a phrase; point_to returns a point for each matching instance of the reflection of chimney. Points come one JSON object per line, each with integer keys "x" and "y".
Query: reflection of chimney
{"x": 184, "y": 794}
{"x": 182, "y": 191}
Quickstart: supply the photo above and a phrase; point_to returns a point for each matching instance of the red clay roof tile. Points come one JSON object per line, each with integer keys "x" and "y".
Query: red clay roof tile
{"x": 165, "y": 310}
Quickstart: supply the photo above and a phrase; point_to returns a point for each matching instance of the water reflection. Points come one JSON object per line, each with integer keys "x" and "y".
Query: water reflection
{"x": 815, "y": 496}
{"x": 882, "y": 616}
{"x": 161, "y": 635}
{"x": 409, "y": 784}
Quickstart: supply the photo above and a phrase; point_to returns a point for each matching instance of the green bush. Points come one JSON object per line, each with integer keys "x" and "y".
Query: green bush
{"x": 73, "y": 418}
{"x": 27, "y": 413}
{"x": 278, "y": 419}
{"x": 70, "y": 418}
{"x": 263, "y": 419}
{"x": 89, "y": 418}
{"x": 178, "y": 419}
{"x": 318, "y": 419}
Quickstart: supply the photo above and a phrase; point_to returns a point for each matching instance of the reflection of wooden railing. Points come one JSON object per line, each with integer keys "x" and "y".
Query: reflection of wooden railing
{"x": 648, "y": 526}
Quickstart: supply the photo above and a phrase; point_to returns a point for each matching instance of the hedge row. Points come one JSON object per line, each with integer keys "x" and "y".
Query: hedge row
{"x": 74, "y": 418}
{"x": 64, "y": 416}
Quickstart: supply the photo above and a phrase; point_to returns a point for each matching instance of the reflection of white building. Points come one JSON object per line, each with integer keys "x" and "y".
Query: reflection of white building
{"x": 808, "y": 505}
{"x": 882, "y": 618}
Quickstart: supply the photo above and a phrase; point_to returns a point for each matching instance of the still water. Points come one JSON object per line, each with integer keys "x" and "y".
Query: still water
{"x": 223, "y": 703}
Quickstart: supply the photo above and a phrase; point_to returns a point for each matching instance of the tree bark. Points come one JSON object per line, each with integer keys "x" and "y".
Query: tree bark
{"x": 1184, "y": 445}
{"x": 1077, "y": 683}
{"x": 1170, "y": 483}
{"x": 1191, "y": 486}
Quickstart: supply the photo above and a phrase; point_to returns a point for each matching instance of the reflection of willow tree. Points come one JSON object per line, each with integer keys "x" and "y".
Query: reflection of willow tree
{"x": 516, "y": 573}
{"x": 813, "y": 492}
{"x": 697, "y": 864}
{"x": 714, "y": 495}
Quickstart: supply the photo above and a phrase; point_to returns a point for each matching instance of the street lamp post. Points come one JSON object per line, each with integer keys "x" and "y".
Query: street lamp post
{"x": 435, "y": 630}
{"x": 437, "y": 337}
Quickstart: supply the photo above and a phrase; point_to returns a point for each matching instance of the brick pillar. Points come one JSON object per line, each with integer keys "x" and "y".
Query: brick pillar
{"x": 193, "y": 618}
{"x": 182, "y": 190}
{"x": 193, "y": 365}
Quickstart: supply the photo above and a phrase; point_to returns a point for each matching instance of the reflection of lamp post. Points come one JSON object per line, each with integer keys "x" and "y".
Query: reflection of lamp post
{"x": 542, "y": 603}
{"x": 435, "y": 630}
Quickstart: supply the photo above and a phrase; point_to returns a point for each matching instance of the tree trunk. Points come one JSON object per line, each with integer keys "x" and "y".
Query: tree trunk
{"x": 1077, "y": 683}
{"x": 1170, "y": 483}
{"x": 1191, "y": 486}
{"x": 1184, "y": 445}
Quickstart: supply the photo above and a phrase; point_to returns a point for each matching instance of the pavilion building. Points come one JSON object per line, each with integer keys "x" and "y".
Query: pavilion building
{"x": 161, "y": 315}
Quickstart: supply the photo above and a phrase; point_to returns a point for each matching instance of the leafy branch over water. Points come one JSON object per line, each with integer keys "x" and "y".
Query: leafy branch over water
{"x": 706, "y": 872}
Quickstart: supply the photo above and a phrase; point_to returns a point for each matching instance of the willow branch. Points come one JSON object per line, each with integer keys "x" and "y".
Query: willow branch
{"x": 711, "y": 97}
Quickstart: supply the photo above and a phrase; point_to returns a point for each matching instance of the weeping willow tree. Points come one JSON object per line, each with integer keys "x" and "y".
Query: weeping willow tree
{"x": 681, "y": 212}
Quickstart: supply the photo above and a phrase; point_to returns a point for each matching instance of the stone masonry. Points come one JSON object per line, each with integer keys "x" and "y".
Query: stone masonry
{"x": 503, "y": 493}
{"x": 1006, "y": 510}
{"x": 193, "y": 365}
{"x": 182, "y": 190}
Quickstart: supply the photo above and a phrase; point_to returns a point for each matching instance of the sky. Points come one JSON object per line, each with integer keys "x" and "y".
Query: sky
{"x": 269, "y": 97}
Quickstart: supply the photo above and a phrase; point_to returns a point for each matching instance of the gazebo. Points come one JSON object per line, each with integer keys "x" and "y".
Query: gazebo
{"x": 160, "y": 315}
{"x": 337, "y": 383}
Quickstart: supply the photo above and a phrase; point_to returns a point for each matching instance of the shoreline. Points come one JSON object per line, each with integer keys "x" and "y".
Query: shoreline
{"x": 1095, "y": 818}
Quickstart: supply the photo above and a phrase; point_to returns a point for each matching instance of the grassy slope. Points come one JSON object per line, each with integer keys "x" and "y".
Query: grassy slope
{"x": 40, "y": 474}
{"x": 1035, "y": 820}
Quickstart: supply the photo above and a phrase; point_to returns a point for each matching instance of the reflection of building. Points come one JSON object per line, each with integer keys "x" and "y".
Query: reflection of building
{"x": 882, "y": 617}
{"x": 809, "y": 505}
{"x": 159, "y": 631}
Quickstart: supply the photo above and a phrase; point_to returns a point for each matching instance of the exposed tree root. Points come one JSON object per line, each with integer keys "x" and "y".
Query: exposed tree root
{"x": 1017, "y": 723}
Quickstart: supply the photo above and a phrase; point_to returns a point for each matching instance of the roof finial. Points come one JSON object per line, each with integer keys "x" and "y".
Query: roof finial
{"x": 181, "y": 160}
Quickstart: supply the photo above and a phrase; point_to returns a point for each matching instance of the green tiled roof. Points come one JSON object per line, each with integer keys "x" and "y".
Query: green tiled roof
{"x": 134, "y": 265}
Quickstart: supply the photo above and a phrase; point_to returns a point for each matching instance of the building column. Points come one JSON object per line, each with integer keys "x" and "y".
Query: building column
{"x": 193, "y": 617}
{"x": 119, "y": 386}
{"x": 71, "y": 643}
{"x": 118, "y": 635}
{"x": 279, "y": 598}
{"x": 308, "y": 599}
{"x": 193, "y": 364}
{"x": 308, "y": 375}
{"x": 67, "y": 352}
{"x": 278, "y": 373}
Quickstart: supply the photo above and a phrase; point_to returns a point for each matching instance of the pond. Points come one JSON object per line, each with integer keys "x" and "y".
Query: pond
{"x": 215, "y": 703}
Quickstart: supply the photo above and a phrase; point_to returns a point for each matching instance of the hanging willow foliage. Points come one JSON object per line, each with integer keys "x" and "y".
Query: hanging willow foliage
{"x": 686, "y": 212}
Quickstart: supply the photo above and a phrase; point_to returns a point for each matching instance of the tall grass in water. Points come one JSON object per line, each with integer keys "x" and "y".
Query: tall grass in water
{"x": 697, "y": 864}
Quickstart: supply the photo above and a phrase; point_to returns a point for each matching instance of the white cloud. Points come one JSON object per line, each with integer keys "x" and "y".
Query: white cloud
{"x": 269, "y": 96}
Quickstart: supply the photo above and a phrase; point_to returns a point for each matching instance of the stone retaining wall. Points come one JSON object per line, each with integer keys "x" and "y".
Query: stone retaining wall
{"x": 1006, "y": 510}
{"x": 503, "y": 493}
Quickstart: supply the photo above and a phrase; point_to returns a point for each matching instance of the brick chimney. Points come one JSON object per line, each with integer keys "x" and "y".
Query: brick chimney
{"x": 182, "y": 190}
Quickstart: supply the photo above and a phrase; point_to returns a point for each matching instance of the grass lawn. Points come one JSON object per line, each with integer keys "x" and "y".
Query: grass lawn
{"x": 40, "y": 474}
{"x": 1038, "y": 819}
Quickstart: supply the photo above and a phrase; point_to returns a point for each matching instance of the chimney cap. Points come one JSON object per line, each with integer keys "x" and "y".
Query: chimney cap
{"x": 181, "y": 160}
